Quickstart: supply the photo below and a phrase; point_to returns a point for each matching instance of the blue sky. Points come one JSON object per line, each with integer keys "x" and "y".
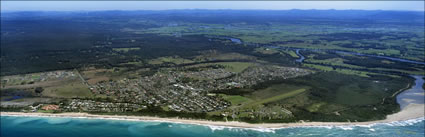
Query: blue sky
{"x": 165, "y": 5}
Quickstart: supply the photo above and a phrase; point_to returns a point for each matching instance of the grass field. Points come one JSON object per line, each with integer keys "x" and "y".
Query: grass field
{"x": 235, "y": 99}
{"x": 271, "y": 94}
{"x": 69, "y": 90}
{"x": 277, "y": 98}
{"x": 256, "y": 101}
{"x": 291, "y": 53}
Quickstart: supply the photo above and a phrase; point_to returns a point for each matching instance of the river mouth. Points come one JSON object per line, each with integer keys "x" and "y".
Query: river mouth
{"x": 413, "y": 95}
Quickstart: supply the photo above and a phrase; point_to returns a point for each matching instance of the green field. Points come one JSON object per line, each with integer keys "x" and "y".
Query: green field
{"x": 277, "y": 98}
{"x": 236, "y": 99}
{"x": 291, "y": 53}
{"x": 270, "y": 94}
{"x": 69, "y": 90}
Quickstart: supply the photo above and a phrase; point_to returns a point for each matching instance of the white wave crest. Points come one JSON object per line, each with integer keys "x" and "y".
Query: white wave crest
{"x": 346, "y": 127}
{"x": 259, "y": 129}
{"x": 214, "y": 127}
{"x": 406, "y": 122}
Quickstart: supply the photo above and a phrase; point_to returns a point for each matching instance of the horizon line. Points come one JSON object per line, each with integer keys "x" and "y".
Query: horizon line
{"x": 207, "y": 9}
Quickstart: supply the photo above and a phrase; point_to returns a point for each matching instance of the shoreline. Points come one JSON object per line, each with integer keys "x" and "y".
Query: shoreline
{"x": 412, "y": 111}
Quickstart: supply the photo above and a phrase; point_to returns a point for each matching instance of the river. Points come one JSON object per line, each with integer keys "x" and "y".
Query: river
{"x": 301, "y": 59}
{"x": 415, "y": 94}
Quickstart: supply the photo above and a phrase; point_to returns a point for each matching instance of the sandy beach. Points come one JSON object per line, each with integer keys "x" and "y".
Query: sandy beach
{"x": 412, "y": 111}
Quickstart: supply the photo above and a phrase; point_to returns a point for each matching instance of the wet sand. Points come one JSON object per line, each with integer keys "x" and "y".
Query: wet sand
{"x": 412, "y": 111}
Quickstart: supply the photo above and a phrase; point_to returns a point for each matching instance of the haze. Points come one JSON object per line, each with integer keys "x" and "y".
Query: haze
{"x": 167, "y": 5}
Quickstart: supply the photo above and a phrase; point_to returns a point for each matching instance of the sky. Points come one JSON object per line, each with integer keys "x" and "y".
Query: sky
{"x": 167, "y": 5}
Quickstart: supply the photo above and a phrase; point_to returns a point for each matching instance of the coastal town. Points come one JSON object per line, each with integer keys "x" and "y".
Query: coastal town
{"x": 174, "y": 90}
{"x": 264, "y": 69}
{"x": 189, "y": 91}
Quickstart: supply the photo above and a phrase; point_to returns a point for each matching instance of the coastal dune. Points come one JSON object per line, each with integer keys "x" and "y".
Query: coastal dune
{"x": 412, "y": 111}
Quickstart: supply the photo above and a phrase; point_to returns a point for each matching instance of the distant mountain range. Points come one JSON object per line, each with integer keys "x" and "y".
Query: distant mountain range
{"x": 357, "y": 17}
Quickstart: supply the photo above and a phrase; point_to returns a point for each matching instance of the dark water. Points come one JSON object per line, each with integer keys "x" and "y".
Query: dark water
{"x": 237, "y": 41}
{"x": 13, "y": 98}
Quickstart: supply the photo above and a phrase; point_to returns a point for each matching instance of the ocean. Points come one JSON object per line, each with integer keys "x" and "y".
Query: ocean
{"x": 13, "y": 126}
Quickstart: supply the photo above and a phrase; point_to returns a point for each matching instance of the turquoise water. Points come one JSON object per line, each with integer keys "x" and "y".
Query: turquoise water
{"x": 12, "y": 126}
